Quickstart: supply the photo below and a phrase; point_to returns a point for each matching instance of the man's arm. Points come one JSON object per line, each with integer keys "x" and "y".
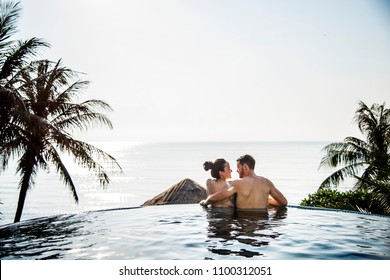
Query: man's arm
{"x": 218, "y": 196}
{"x": 277, "y": 198}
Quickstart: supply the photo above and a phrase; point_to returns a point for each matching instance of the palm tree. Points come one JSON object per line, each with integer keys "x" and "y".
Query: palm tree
{"x": 13, "y": 56}
{"x": 370, "y": 158}
{"x": 48, "y": 92}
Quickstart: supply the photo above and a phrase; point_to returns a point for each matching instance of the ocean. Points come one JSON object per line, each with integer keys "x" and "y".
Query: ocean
{"x": 150, "y": 168}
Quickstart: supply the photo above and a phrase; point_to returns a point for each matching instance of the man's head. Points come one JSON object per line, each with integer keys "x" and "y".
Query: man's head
{"x": 245, "y": 164}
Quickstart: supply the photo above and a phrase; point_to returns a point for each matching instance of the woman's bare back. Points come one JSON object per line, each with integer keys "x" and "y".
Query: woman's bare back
{"x": 214, "y": 186}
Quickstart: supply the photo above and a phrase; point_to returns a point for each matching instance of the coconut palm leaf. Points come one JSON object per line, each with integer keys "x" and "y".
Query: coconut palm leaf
{"x": 342, "y": 153}
{"x": 18, "y": 54}
{"x": 13, "y": 114}
{"x": 83, "y": 116}
{"x": 380, "y": 193}
{"x": 9, "y": 15}
{"x": 340, "y": 175}
{"x": 55, "y": 158}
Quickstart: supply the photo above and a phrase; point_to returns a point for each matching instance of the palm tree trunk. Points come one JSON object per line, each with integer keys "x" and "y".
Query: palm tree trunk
{"x": 23, "y": 192}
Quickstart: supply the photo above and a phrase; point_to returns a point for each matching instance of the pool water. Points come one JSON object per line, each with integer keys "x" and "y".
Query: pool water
{"x": 190, "y": 232}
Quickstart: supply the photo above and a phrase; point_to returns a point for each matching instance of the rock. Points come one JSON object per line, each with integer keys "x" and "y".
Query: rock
{"x": 184, "y": 192}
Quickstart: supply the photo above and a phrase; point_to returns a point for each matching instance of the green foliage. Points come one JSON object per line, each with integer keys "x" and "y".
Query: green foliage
{"x": 354, "y": 200}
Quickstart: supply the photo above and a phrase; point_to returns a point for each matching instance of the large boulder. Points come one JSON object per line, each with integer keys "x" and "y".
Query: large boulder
{"x": 184, "y": 192}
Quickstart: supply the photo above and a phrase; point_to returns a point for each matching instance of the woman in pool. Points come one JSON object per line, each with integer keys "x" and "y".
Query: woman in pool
{"x": 220, "y": 171}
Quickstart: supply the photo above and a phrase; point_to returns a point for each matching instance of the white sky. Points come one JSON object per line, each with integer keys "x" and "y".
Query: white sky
{"x": 208, "y": 70}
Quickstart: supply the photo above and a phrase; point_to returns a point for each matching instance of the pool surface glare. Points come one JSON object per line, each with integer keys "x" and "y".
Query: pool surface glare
{"x": 190, "y": 232}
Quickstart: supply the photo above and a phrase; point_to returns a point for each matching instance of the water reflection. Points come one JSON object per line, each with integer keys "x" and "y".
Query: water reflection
{"x": 180, "y": 231}
{"x": 45, "y": 238}
{"x": 242, "y": 233}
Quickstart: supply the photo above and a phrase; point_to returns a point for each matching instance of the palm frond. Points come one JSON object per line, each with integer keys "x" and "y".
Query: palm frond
{"x": 85, "y": 155}
{"x": 82, "y": 116}
{"x": 27, "y": 168}
{"x": 12, "y": 113}
{"x": 347, "y": 152}
{"x": 11, "y": 149}
{"x": 72, "y": 91}
{"x": 380, "y": 192}
{"x": 365, "y": 118}
{"x": 374, "y": 122}
{"x": 340, "y": 175}
{"x": 18, "y": 53}
{"x": 62, "y": 170}
{"x": 9, "y": 14}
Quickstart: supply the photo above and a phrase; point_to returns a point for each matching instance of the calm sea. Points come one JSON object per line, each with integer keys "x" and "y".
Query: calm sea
{"x": 149, "y": 169}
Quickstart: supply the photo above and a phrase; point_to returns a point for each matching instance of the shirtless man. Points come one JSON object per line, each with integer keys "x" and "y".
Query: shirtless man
{"x": 253, "y": 192}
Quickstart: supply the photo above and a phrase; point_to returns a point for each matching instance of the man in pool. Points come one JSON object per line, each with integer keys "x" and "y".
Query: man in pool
{"x": 252, "y": 192}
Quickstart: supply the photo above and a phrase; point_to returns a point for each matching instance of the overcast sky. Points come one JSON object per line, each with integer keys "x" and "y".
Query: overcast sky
{"x": 208, "y": 70}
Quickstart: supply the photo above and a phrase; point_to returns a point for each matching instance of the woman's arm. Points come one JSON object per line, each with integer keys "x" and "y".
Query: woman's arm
{"x": 218, "y": 196}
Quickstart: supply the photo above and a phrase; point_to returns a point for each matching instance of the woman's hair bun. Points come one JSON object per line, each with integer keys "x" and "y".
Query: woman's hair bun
{"x": 208, "y": 165}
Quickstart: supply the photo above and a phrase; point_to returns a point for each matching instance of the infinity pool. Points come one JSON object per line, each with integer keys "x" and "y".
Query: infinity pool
{"x": 190, "y": 232}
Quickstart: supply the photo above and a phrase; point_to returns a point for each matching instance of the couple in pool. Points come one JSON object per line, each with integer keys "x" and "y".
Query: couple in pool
{"x": 250, "y": 192}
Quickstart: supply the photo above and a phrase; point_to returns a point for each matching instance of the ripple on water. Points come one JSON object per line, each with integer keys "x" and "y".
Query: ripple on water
{"x": 191, "y": 232}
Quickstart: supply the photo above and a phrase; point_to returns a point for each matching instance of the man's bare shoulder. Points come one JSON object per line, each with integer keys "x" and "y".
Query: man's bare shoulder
{"x": 239, "y": 182}
{"x": 264, "y": 179}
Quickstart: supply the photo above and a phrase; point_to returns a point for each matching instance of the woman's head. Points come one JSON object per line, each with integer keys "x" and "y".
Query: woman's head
{"x": 220, "y": 169}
